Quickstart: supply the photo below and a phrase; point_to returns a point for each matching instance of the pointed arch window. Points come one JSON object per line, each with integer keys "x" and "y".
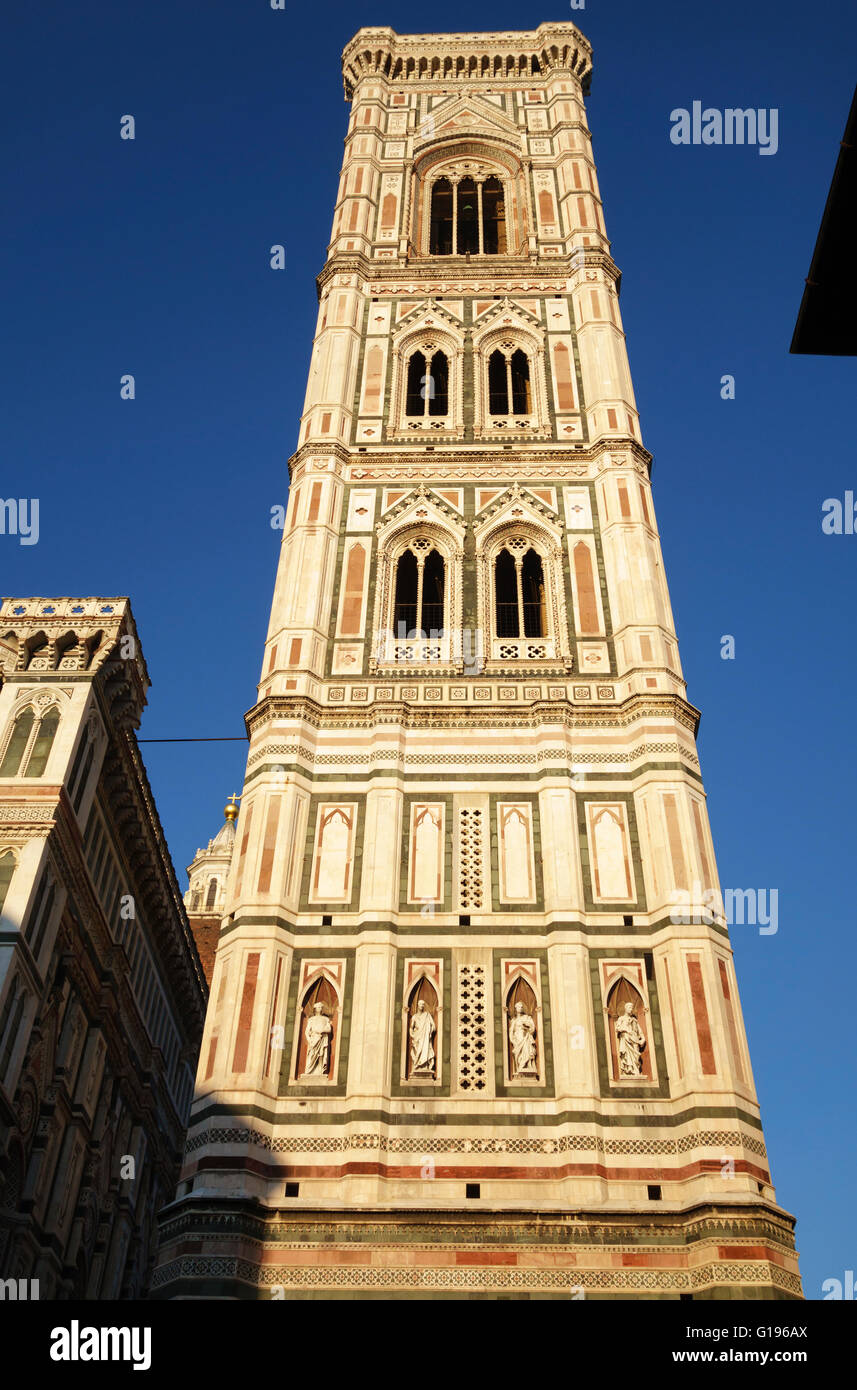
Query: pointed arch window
{"x": 211, "y": 895}
{"x": 427, "y": 391}
{"x": 420, "y": 589}
{"x": 21, "y": 731}
{"x": 509, "y": 387}
{"x": 44, "y": 742}
{"x": 519, "y": 591}
{"x": 30, "y": 737}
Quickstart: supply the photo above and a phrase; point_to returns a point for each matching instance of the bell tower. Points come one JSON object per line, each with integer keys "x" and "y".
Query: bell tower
{"x": 474, "y": 1024}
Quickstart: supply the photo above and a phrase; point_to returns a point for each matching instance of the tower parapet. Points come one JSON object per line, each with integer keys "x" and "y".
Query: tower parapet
{"x": 470, "y": 58}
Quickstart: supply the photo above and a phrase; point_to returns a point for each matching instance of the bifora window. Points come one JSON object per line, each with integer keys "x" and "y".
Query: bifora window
{"x": 31, "y": 737}
{"x": 519, "y": 591}
{"x": 427, "y": 391}
{"x": 418, "y": 605}
{"x": 509, "y": 391}
{"x": 468, "y": 218}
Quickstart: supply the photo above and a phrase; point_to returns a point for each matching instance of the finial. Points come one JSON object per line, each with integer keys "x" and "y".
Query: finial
{"x": 230, "y": 810}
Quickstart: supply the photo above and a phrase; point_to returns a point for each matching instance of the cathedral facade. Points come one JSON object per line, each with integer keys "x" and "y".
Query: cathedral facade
{"x": 474, "y": 1026}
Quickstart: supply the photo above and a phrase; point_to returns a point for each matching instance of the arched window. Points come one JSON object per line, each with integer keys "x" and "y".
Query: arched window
{"x": 438, "y": 385}
{"x": 533, "y": 587}
{"x": 519, "y": 591}
{"x": 419, "y": 590}
{"x": 509, "y": 390}
{"x": 405, "y": 606}
{"x": 7, "y": 868}
{"x": 17, "y": 743}
{"x": 493, "y": 218}
{"x": 421, "y": 1044}
{"x": 415, "y": 399}
{"x": 441, "y": 219}
{"x": 211, "y": 895}
{"x": 520, "y": 385}
{"x": 23, "y": 737}
{"x": 431, "y": 614}
{"x": 427, "y": 391}
{"x": 44, "y": 742}
{"x": 498, "y": 392}
{"x": 506, "y": 586}
{"x": 468, "y": 218}
{"x": 318, "y": 1024}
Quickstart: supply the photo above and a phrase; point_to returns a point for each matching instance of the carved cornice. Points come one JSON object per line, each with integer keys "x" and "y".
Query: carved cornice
{"x": 479, "y": 462}
{"x": 514, "y": 57}
{"x": 404, "y": 715}
{"x": 458, "y": 274}
{"x": 693, "y": 1224}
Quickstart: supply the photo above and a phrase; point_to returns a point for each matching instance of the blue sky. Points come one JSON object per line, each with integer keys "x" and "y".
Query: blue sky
{"x": 151, "y": 257}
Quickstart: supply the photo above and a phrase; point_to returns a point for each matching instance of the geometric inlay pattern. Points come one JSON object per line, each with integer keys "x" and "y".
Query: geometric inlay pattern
{"x": 470, "y": 857}
{"x": 567, "y": 1143}
{"x": 562, "y": 1280}
{"x": 472, "y": 1031}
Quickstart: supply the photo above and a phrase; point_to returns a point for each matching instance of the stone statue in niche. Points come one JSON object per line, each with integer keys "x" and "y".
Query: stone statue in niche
{"x": 630, "y": 1041}
{"x": 422, "y": 1032}
{"x": 522, "y": 1039}
{"x": 317, "y": 1034}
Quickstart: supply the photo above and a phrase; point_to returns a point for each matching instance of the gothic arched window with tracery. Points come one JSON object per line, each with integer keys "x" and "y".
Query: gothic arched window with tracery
{"x": 427, "y": 388}
{"x": 519, "y": 591}
{"x": 31, "y": 738}
{"x": 509, "y": 387}
{"x": 420, "y": 590}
